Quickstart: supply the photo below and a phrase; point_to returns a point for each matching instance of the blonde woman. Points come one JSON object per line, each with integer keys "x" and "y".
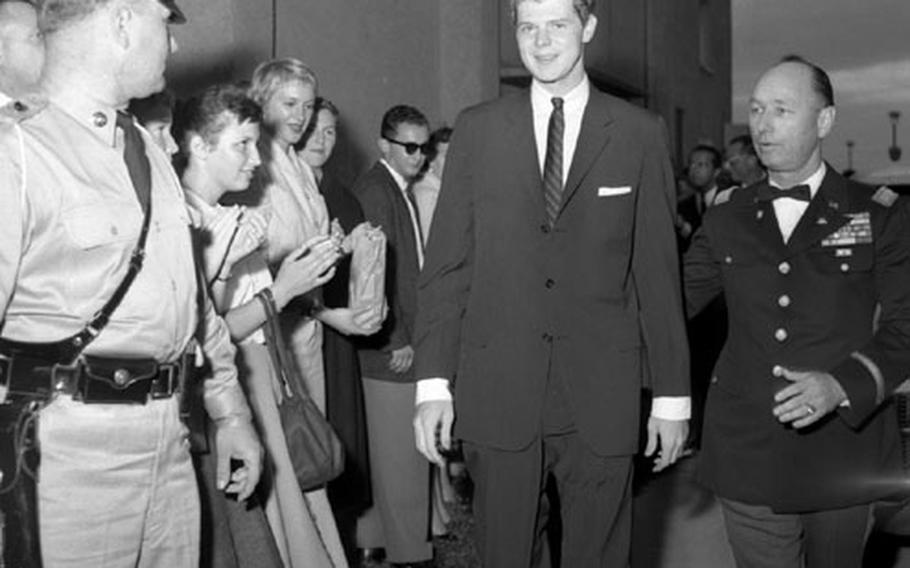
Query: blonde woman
{"x": 286, "y": 189}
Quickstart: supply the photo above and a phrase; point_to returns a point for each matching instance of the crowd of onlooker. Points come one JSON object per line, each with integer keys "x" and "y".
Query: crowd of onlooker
{"x": 274, "y": 224}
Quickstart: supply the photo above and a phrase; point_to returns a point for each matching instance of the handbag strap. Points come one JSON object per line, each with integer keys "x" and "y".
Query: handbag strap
{"x": 278, "y": 351}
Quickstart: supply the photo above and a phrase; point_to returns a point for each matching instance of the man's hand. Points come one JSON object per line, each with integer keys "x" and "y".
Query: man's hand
{"x": 670, "y": 437}
{"x": 811, "y": 395}
{"x": 401, "y": 359}
{"x": 238, "y": 441}
{"x": 431, "y": 419}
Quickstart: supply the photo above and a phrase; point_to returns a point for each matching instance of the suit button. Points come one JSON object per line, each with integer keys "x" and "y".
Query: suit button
{"x": 547, "y": 337}
{"x": 728, "y": 260}
{"x": 550, "y": 283}
{"x": 780, "y": 334}
{"x": 783, "y": 301}
{"x": 784, "y": 267}
{"x": 545, "y": 229}
{"x": 777, "y": 371}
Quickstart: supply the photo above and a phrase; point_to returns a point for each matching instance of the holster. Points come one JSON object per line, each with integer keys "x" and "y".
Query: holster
{"x": 19, "y": 460}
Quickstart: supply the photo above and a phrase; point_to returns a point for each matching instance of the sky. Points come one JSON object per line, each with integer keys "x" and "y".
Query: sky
{"x": 864, "y": 45}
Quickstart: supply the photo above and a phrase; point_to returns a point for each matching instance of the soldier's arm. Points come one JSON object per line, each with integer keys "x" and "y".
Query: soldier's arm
{"x": 701, "y": 273}
{"x": 870, "y": 374}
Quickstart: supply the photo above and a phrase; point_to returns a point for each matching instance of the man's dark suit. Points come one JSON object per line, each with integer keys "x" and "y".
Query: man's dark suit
{"x": 384, "y": 205}
{"x": 805, "y": 304}
{"x": 400, "y": 474}
{"x": 506, "y": 302}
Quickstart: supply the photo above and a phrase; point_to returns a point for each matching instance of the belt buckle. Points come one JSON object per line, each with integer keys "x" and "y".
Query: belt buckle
{"x": 65, "y": 378}
{"x": 163, "y": 386}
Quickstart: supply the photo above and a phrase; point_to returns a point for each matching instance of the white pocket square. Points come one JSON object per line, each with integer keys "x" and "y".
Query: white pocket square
{"x": 611, "y": 191}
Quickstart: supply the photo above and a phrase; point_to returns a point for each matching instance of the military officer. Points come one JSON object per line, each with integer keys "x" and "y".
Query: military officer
{"x": 798, "y": 438}
{"x": 78, "y": 178}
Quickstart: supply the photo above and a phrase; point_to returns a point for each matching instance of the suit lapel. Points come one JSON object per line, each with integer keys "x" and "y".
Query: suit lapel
{"x": 593, "y": 137}
{"x": 823, "y": 216}
{"x": 525, "y": 164}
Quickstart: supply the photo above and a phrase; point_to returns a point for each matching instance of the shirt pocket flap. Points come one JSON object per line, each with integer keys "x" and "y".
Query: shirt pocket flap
{"x": 92, "y": 226}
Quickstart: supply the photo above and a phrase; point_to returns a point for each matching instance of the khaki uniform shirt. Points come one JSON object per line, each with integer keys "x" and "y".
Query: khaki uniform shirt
{"x": 71, "y": 219}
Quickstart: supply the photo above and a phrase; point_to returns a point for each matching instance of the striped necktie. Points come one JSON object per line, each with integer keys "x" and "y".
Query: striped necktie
{"x": 552, "y": 165}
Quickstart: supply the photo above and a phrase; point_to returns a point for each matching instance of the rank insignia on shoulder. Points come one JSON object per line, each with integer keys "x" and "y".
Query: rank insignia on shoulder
{"x": 885, "y": 196}
{"x": 22, "y": 109}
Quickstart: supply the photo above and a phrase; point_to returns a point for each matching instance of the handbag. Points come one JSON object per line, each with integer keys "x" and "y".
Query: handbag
{"x": 317, "y": 455}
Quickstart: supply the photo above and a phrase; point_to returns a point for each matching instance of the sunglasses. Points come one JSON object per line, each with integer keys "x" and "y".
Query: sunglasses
{"x": 411, "y": 147}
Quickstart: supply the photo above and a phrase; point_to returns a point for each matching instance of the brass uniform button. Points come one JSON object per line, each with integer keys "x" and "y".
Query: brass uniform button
{"x": 780, "y": 334}
{"x": 121, "y": 377}
{"x": 783, "y": 301}
{"x": 99, "y": 119}
{"x": 784, "y": 267}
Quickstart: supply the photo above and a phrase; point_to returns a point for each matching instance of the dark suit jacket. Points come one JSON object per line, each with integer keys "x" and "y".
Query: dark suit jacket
{"x": 506, "y": 300}
{"x": 806, "y": 304}
{"x": 384, "y": 205}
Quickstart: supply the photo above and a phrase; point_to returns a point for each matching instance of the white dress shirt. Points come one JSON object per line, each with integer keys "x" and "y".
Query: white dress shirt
{"x": 788, "y": 210}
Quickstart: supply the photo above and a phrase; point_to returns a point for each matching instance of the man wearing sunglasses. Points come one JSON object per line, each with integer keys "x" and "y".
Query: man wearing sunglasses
{"x": 399, "y": 520}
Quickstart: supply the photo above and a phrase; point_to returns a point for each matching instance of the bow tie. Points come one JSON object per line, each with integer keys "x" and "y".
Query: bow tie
{"x": 798, "y": 192}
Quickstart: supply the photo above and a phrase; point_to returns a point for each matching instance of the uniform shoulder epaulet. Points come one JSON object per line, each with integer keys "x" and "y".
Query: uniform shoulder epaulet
{"x": 724, "y": 196}
{"x": 22, "y": 109}
{"x": 885, "y": 196}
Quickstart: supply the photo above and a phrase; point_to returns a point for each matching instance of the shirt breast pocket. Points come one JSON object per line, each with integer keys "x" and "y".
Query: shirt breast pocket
{"x": 100, "y": 224}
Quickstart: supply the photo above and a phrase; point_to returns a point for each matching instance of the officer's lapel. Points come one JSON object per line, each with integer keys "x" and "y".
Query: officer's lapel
{"x": 824, "y": 215}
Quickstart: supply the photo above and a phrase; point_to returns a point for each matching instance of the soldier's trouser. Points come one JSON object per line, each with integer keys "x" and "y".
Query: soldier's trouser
{"x": 761, "y": 538}
{"x": 116, "y": 486}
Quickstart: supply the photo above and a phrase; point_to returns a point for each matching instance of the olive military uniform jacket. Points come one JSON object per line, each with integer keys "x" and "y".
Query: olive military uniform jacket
{"x": 807, "y": 304}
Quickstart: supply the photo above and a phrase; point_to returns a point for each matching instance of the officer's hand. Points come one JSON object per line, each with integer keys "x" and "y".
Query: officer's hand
{"x": 236, "y": 440}
{"x": 811, "y": 395}
{"x": 668, "y": 435}
{"x": 433, "y": 423}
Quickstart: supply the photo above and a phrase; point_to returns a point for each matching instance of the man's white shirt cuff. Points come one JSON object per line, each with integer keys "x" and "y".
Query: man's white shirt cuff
{"x": 432, "y": 389}
{"x": 672, "y": 407}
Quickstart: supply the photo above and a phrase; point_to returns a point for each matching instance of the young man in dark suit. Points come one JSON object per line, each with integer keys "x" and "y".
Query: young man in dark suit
{"x": 797, "y": 439}
{"x": 399, "y": 519}
{"x": 550, "y": 292}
